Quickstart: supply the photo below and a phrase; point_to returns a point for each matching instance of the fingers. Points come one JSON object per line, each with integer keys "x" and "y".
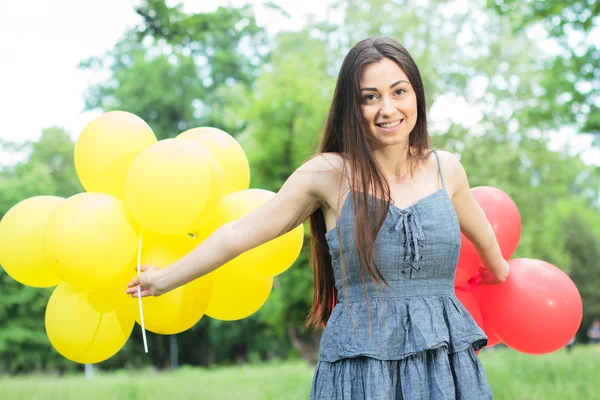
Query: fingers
{"x": 142, "y": 280}
{"x": 144, "y": 292}
{"x": 134, "y": 282}
{"x": 132, "y": 287}
{"x": 131, "y": 290}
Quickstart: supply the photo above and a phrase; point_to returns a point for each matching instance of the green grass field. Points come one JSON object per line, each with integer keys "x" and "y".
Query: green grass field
{"x": 512, "y": 376}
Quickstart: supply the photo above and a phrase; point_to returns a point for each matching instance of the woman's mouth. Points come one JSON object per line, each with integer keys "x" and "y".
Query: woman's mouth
{"x": 390, "y": 126}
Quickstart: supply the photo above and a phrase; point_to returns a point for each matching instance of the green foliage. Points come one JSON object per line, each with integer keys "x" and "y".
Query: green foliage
{"x": 287, "y": 109}
{"x": 218, "y": 38}
{"x": 173, "y": 70}
{"x": 559, "y": 16}
{"x": 24, "y": 345}
{"x": 570, "y": 89}
{"x": 159, "y": 85}
{"x": 48, "y": 169}
{"x": 582, "y": 242}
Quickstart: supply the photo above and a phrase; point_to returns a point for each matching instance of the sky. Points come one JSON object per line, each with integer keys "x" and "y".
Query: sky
{"x": 42, "y": 42}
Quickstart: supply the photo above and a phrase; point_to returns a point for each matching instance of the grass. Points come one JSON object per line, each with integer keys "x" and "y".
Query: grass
{"x": 560, "y": 375}
{"x": 512, "y": 376}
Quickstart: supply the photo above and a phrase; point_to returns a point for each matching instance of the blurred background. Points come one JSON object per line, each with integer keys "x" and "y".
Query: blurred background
{"x": 513, "y": 88}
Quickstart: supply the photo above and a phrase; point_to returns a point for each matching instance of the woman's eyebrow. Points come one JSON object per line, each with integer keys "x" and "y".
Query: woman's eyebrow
{"x": 391, "y": 86}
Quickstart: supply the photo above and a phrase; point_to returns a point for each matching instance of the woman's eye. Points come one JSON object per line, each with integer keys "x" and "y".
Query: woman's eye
{"x": 369, "y": 97}
{"x": 400, "y": 92}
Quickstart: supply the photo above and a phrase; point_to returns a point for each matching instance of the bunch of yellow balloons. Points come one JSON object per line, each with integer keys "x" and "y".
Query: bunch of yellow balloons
{"x": 147, "y": 199}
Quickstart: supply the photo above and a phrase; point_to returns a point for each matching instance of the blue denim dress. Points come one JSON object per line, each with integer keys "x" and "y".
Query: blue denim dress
{"x": 412, "y": 340}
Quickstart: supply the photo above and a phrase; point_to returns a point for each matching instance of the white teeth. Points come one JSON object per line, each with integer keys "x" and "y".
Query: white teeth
{"x": 391, "y": 125}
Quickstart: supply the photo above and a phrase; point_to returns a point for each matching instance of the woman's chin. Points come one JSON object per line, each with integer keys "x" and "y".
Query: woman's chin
{"x": 390, "y": 141}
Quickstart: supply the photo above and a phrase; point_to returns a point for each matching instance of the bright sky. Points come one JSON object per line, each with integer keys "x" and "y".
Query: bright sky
{"x": 42, "y": 43}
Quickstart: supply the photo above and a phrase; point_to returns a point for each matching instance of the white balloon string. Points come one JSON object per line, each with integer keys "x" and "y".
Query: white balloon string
{"x": 139, "y": 288}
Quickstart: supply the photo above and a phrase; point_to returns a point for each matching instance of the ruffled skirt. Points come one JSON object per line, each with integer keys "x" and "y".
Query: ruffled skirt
{"x": 432, "y": 374}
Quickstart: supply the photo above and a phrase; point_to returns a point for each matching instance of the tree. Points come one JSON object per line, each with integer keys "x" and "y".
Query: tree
{"x": 571, "y": 86}
{"x": 287, "y": 109}
{"x": 583, "y": 245}
{"x": 172, "y": 69}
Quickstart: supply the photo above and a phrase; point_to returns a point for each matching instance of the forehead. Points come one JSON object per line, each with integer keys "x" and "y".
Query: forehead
{"x": 382, "y": 74}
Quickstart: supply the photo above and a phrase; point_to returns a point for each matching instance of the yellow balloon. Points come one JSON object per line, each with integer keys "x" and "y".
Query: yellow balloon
{"x": 22, "y": 241}
{"x": 173, "y": 186}
{"x": 180, "y": 309}
{"x": 206, "y": 222}
{"x": 229, "y": 154}
{"x": 90, "y": 239}
{"x": 106, "y": 149}
{"x": 112, "y": 296}
{"x": 269, "y": 259}
{"x": 80, "y": 331}
{"x": 235, "y": 297}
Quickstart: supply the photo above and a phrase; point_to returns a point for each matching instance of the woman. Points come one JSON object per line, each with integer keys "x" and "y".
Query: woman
{"x": 386, "y": 214}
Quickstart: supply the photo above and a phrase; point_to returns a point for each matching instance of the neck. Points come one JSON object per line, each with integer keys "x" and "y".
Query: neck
{"x": 394, "y": 161}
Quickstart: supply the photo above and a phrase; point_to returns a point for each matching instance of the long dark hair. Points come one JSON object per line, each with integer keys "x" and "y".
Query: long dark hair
{"x": 344, "y": 134}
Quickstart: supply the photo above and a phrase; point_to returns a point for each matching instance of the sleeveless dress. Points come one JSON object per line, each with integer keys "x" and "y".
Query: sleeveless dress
{"x": 413, "y": 340}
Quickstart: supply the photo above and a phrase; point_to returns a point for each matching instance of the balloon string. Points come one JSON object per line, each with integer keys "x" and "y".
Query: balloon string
{"x": 139, "y": 288}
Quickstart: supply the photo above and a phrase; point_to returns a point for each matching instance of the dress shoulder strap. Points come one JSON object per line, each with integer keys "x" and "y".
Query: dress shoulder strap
{"x": 439, "y": 167}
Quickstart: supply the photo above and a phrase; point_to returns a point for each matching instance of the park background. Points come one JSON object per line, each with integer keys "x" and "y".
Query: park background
{"x": 513, "y": 88}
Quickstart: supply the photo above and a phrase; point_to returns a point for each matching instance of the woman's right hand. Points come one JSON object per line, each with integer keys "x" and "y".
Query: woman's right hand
{"x": 150, "y": 281}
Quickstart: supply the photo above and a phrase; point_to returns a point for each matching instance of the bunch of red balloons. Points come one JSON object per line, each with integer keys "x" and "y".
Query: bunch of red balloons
{"x": 538, "y": 309}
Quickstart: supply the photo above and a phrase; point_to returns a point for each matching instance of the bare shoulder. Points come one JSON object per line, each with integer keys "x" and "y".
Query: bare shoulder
{"x": 324, "y": 162}
{"x": 448, "y": 161}
{"x": 454, "y": 174}
{"x": 323, "y": 167}
{"x": 324, "y": 173}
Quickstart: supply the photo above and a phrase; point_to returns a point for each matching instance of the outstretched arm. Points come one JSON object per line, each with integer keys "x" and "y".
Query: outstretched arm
{"x": 298, "y": 198}
{"x": 474, "y": 224}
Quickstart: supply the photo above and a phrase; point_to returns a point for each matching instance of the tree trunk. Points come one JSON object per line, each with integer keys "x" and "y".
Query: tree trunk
{"x": 306, "y": 343}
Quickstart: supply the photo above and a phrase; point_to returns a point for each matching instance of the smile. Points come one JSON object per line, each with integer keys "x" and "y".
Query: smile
{"x": 390, "y": 126}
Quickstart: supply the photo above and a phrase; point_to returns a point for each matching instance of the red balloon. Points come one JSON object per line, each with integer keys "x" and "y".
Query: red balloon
{"x": 470, "y": 302}
{"x": 503, "y": 214}
{"x": 474, "y": 288}
{"x": 536, "y": 311}
{"x": 469, "y": 296}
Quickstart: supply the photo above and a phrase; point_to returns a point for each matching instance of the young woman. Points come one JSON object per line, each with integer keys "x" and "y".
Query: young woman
{"x": 386, "y": 214}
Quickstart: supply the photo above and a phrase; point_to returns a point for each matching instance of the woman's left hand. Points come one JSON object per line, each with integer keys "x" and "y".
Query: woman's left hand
{"x": 488, "y": 278}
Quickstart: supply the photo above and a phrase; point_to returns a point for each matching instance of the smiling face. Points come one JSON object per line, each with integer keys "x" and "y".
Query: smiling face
{"x": 388, "y": 103}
